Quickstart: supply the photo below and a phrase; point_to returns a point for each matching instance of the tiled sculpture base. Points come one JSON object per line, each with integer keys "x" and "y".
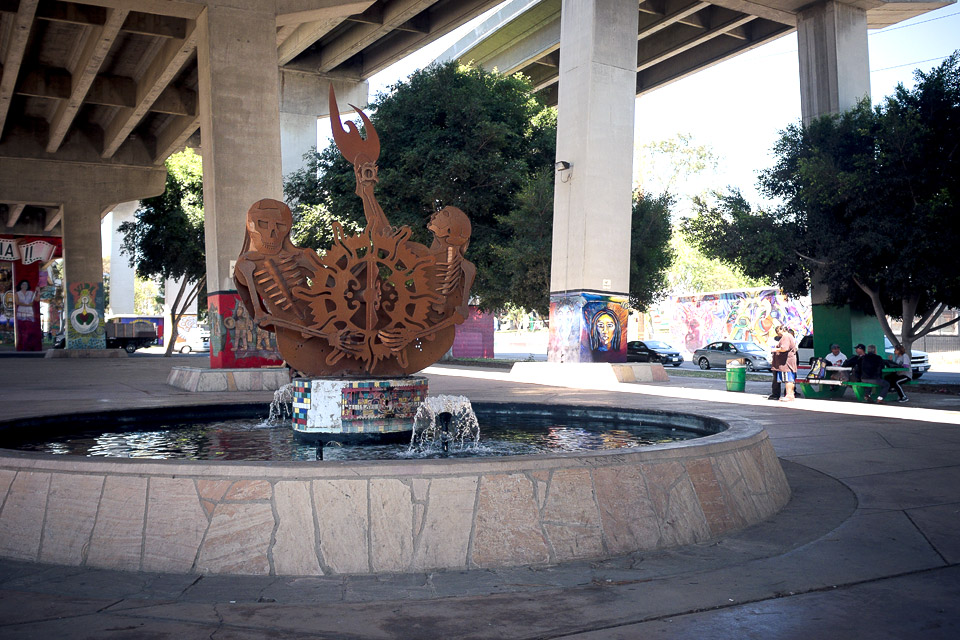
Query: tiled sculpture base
{"x": 379, "y": 516}
{"x": 325, "y": 407}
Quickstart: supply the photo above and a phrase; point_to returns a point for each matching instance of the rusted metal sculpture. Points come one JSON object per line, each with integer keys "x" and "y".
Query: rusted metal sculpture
{"x": 377, "y": 303}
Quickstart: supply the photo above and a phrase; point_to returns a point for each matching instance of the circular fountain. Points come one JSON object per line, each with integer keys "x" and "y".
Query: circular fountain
{"x": 312, "y": 518}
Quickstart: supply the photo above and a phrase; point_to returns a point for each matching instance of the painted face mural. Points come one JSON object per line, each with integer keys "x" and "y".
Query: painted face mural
{"x": 604, "y": 332}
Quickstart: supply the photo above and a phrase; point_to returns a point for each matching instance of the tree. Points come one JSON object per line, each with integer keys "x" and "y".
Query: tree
{"x": 526, "y": 255}
{"x": 650, "y": 252}
{"x": 450, "y": 135}
{"x": 166, "y": 239}
{"x": 694, "y": 272}
{"x": 868, "y": 202}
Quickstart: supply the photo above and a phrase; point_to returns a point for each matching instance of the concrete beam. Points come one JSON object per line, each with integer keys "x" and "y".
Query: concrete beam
{"x": 188, "y": 9}
{"x": 162, "y": 70}
{"x": 174, "y": 137}
{"x": 674, "y": 11}
{"x": 52, "y": 220}
{"x": 363, "y": 34}
{"x": 16, "y": 47}
{"x": 14, "y": 214}
{"x": 50, "y": 182}
{"x": 86, "y": 66}
{"x": 709, "y": 53}
{"x": 441, "y": 20}
{"x": 680, "y": 38}
{"x": 294, "y": 12}
{"x": 110, "y": 91}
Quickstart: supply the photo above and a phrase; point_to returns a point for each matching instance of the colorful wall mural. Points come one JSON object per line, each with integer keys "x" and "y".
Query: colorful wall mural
{"x": 85, "y": 316}
{"x": 692, "y": 321}
{"x": 588, "y": 327}
{"x": 235, "y": 341}
{"x": 22, "y": 285}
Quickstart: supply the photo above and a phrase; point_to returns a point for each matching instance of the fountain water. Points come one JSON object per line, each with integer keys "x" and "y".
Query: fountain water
{"x": 443, "y": 419}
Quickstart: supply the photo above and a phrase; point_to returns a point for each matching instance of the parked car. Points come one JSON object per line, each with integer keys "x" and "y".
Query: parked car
{"x": 805, "y": 354}
{"x": 717, "y": 354}
{"x": 653, "y": 351}
{"x": 197, "y": 341}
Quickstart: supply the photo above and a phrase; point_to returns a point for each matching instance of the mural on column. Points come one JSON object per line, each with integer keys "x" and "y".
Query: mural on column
{"x": 7, "y": 318}
{"x": 85, "y": 316}
{"x": 235, "y": 341}
{"x": 588, "y": 327}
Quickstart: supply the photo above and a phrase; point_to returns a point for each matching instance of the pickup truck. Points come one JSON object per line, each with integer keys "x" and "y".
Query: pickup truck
{"x": 126, "y": 336}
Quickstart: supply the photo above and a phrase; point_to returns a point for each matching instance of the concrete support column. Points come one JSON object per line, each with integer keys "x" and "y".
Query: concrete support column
{"x": 83, "y": 274}
{"x": 304, "y": 97}
{"x": 590, "y": 270}
{"x": 297, "y": 134}
{"x": 122, "y": 275}
{"x": 834, "y": 59}
{"x": 834, "y": 76}
{"x": 240, "y": 128}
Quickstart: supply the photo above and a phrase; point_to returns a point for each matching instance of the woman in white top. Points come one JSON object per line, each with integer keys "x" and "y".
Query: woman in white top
{"x": 898, "y": 378}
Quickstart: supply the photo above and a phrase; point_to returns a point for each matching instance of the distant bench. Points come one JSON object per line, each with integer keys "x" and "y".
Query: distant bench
{"x": 824, "y": 389}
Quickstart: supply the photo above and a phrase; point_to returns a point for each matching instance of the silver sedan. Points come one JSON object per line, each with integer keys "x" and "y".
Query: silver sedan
{"x": 717, "y": 354}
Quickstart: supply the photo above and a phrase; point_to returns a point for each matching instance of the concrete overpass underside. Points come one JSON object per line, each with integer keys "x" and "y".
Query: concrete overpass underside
{"x": 675, "y": 38}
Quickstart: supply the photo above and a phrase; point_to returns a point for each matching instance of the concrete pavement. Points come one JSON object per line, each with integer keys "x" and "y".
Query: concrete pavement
{"x": 869, "y": 544}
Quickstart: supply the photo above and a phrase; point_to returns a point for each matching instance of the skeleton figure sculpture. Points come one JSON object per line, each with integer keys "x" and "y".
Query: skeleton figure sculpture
{"x": 377, "y": 303}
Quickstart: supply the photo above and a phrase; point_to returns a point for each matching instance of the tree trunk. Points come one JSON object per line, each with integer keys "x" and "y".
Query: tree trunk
{"x": 177, "y": 310}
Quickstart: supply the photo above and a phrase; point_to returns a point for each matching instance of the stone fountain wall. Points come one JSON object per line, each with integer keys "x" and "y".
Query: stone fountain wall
{"x": 368, "y": 517}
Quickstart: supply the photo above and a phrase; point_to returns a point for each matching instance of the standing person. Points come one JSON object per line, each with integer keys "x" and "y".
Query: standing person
{"x": 871, "y": 371}
{"x": 785, "y": 362}
{"x": 775, "y": 388}
{"x": 899, "y": 377}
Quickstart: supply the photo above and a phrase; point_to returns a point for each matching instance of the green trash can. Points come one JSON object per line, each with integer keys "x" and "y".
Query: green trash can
{"x": 736, "y": 377}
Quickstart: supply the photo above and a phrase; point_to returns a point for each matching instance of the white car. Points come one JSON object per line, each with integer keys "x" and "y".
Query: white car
{"x": 195, "y": 342}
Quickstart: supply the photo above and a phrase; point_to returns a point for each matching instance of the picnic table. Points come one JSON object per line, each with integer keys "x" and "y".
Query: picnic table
{"x": 826, "y": 388}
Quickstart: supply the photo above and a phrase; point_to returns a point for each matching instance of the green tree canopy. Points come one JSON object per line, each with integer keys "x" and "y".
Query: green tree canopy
{"x": 868, "y": 203}
{"x": 165, "y": 240}
{"x": 450, "y": 135}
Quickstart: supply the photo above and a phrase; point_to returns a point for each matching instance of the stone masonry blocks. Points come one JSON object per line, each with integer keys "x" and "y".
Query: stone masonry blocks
{"x": 445, "y": 536}
{"x": 175, "y": 525}
{"x": 71, "y": 511}
{"x": 508, "y": 518}
{"x": 238, "y": 540}
{"x": 304, "y": 520}
{"x": 391, "y": 525}
{"x": 117, "y": 539}
{"x": 295, "y": 547}
{"x": 21, "y": 521}
{"x": 341, "y": 511}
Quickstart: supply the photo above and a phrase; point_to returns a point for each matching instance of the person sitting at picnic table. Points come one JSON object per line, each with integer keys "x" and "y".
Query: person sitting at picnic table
{"x": 897, "y": 378}
{"x": 785, "y": 362}
{"x": 836, "y": 358}
{"x": 871, "y": 372}
{"x": 853, "y": 362}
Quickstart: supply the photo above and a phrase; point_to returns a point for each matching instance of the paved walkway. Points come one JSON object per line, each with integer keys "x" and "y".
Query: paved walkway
{"x": 868, "y": 546}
